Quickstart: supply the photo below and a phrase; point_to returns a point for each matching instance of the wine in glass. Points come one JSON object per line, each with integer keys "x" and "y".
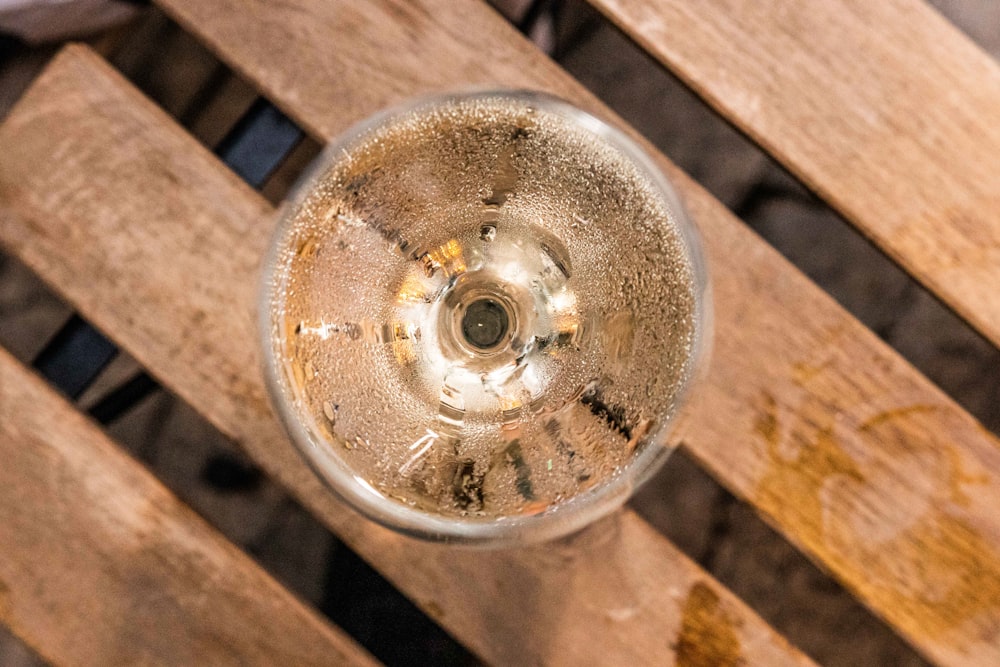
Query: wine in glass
{"x": 481, "y": 314}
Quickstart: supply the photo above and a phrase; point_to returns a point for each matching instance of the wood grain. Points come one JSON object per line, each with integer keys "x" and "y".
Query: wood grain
{"x": 844, "y": 447}
{"x": 103, "y": 566}
{"x": 168, "y": 241}
{"x": 883, "y": 108}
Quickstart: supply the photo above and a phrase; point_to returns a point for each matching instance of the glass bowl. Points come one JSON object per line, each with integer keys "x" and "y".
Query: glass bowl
{"x": 481, "y": 313}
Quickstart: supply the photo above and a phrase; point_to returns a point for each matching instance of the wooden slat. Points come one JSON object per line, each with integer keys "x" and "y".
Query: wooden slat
{"x": 101, "y": 565}
{"x": 169, "y": 242}
{"x": 883, "y": 108}
{"x": 851, "y": 453}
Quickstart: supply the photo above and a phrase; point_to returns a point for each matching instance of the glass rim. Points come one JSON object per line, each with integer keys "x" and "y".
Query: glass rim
{"x": 565, "y": 517}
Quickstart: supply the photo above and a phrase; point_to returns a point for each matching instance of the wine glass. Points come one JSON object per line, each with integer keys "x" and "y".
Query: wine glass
{"x": 481, "y": 313}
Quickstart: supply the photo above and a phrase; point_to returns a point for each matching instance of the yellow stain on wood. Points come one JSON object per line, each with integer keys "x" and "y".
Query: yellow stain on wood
{"x": 959, "y": 477}
{"x": 708, "y": 635}
{"x": 767, "y": 423}
{"x": 885, "y": 416}
{"x": 889, "y": 528}
{"x": 797, "y": 477}
{"x": 937, "y": 576}
{"x": 803, "y": 372}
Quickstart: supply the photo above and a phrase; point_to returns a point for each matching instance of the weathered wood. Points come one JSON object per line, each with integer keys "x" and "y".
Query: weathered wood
{"x": 169, "y": 242}
{"x": 851, "y": 453}
{"x": 101, "y": 565}
{"x": 883, "y": 108}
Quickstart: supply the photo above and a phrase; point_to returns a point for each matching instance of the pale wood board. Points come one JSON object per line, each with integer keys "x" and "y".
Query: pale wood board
{"x": 883, "y": 108}
{"x": 844, "y": 447}
{"x": 102, "y": 565}
{"x": 167, "y": 241}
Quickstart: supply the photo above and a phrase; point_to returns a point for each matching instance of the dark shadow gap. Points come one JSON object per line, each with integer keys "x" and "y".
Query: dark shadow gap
{"x": 16, "y": 653}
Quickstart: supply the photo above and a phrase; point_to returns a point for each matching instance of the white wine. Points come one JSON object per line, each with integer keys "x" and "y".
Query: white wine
{"x": 481, "y": 309}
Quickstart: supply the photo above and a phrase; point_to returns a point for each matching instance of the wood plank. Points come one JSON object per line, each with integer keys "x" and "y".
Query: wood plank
{"x": 883, "y": 108}
{"x": 170, "y": 240}
{"x": 104, "y": 566}
{"x": 844, "y": 447}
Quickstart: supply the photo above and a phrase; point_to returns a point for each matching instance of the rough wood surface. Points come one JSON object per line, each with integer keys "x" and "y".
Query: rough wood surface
{"x": 101, "y": 565}
{"x": 850, "y": 452}
{"x": 169, "y": 240}
{"x": 883, "y": 108}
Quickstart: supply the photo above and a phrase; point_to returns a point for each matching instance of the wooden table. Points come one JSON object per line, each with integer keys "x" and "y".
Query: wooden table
{"x": 883, "y": 109}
